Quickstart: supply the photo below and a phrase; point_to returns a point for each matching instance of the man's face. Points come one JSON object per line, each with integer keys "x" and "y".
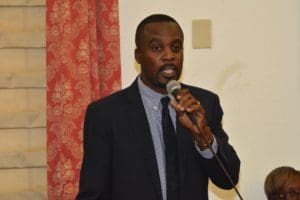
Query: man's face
{"x": 160, "y": 54}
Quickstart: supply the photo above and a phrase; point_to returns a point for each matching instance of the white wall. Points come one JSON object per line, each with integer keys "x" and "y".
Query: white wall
{"x": 253, "y": 65}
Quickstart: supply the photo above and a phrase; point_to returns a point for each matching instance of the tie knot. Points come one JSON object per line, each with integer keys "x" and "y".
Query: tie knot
{"x": 165, "y": 101}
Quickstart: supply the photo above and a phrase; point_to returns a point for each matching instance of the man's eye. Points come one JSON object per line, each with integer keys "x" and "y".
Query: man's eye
{"x": 156, "y": 48}
{"x": 176, "y": 48}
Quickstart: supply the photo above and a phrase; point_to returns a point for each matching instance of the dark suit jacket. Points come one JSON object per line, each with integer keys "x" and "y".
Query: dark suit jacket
{"x": 119, "y": 160}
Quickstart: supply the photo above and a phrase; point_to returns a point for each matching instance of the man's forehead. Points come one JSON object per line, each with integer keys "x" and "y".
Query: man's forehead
{"x": 165, "y": 25}
{"x": 160, "y": 28}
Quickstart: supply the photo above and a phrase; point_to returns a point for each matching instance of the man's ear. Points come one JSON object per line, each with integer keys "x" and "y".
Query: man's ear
{"x": 137, "y": 55}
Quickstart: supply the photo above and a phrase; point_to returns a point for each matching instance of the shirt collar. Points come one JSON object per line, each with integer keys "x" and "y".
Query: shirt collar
{"x": 148, "y": 94}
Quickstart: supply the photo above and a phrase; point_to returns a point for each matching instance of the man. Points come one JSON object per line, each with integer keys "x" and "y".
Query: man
{"x": 127, "y": 152}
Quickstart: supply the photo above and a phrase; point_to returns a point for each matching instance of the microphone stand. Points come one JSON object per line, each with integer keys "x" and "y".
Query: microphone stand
{"x": 192, "y": 118}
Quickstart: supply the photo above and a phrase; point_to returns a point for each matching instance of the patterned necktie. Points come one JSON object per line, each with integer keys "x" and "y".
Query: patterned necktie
{"x": 171, "y": 153}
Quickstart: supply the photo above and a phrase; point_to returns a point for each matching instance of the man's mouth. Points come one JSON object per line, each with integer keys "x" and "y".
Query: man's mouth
{"x": 168, "y": 71}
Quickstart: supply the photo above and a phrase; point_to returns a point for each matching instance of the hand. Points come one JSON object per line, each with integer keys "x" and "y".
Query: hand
{"x": 186, "y": 103}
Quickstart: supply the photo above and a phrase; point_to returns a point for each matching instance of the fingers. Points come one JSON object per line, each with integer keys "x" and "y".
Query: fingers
{"x": 187, "y": 103}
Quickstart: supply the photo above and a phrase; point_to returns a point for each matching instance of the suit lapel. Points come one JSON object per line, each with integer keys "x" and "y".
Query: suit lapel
{"x": 141, "y": 131}
{"x": 185, "y": 143}
{"x": 184, "y": 140}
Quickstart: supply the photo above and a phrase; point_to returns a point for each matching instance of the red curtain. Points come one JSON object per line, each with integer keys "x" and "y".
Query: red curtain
{"x": 83, "y": 64}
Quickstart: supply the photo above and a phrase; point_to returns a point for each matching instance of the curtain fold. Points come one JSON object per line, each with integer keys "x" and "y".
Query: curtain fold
{"x": 83, "y": 64}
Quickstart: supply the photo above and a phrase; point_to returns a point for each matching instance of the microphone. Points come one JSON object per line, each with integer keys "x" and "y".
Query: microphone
{"x": 173, "y": 87}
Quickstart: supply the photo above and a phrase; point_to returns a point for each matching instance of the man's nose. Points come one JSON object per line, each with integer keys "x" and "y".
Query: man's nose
{"x": 168, "y": 54}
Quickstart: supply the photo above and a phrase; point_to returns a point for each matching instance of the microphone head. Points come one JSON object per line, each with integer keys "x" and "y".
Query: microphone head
{"x": 173, "y": 87}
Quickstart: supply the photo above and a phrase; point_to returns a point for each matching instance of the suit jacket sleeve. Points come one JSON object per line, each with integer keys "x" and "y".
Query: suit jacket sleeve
{"x": 226, "y": 153}
{"x": 95, "y": 177}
